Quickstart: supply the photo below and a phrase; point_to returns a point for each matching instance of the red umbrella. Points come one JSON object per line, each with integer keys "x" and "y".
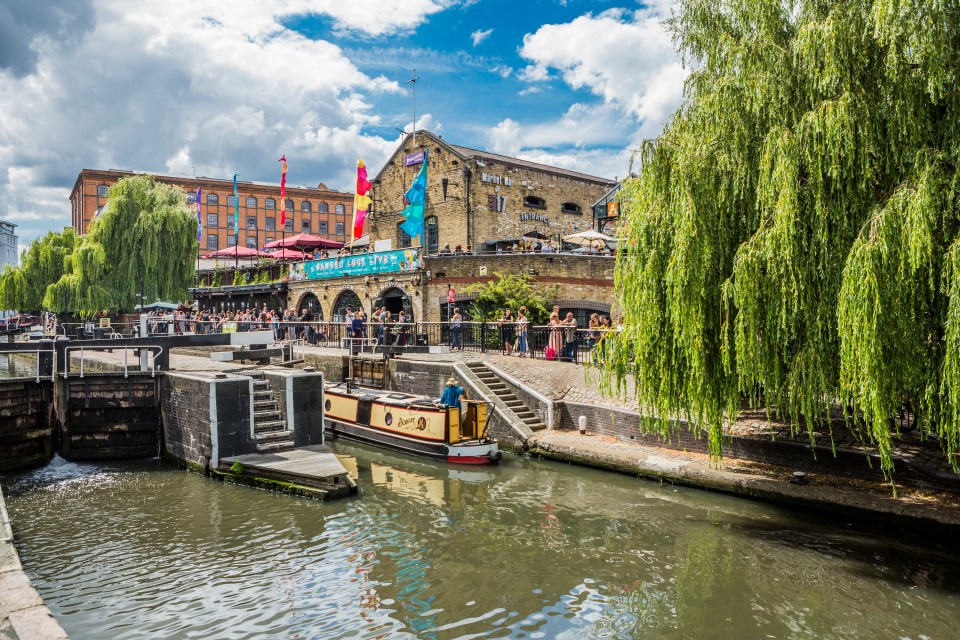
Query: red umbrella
{"x": 287, "y": 254}
{"x": 237, "y": 252}
{"x": 305, "y": 240}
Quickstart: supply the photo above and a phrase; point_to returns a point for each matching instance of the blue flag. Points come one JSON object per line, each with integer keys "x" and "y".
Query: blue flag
{"x": 416, "y": 196}
{"x": 236, "y": 208}
{"x": 199, "y": 218}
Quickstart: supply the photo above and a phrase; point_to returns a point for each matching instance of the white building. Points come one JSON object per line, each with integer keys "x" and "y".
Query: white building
{"x": 8, "y": 244}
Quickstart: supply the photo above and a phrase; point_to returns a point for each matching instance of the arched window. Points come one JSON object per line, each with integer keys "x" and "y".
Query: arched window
{"x": 571, "y": 207}
{"x": 306, "y": 207}
{"x": 340, "y": 209}
{"x": 289, "y": 205}
{"x": 212, "y": 198}
{"x": 323, "y": 207}
{"x": 432, "y": 232}
{"x": 535, "y": 202}
{"x": 269, "y": 203}
{"x": 310, "y": 304}
{"x": 251, "y": 202}
{"x": 231, "y": 201}
{"x": 346, "y": 299}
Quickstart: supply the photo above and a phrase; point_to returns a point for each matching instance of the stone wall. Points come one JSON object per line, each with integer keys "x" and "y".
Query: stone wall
{"x": 26, "y": 433}
{"x": 300, "y": 398}
{"x": 185, "y": 407}
{"x": 490, "y": 202}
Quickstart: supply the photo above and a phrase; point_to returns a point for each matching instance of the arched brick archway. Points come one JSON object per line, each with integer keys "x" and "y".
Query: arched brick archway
{"x": 310, "y": 302}
{"x": 347, "y": 298}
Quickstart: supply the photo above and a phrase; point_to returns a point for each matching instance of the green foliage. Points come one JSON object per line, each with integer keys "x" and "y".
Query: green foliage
{"x": 792, "y": 238}
{"x": 509, "y": 291}
{"x": 146, "y": 234}
{"x": 217, "y": 280}
{"x": 238, "y": 278}
{"x": 236, "y": 468}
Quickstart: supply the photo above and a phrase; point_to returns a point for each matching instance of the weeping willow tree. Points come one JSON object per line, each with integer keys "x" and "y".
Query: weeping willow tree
{"x": 145, "y": 237}
{"x": 793, "y": 240}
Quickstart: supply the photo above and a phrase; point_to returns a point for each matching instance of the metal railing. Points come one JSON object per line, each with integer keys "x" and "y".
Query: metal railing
{"x": 126, "y": 350}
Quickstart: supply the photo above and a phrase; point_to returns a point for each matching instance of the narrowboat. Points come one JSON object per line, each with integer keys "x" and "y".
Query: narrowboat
{"x": 412, "y": 424}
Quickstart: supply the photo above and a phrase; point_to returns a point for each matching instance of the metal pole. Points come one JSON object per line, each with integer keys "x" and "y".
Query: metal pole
{"x": 413, "y": 81}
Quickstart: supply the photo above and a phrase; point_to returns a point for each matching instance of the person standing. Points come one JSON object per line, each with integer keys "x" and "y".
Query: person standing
{"x": 522, "y": 325}
{"x": 456, "y": 330}
{"x": 402, "y": 329}
{"x": 555, "y": 342}
{"x": 570, "y": 338}
{"x": 507, "y": 331}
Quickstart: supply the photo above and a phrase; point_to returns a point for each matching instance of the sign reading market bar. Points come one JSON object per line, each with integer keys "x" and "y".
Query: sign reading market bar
{"x": 361, "y": 264}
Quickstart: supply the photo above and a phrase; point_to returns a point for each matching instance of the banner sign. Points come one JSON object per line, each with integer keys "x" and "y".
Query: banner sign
{"x": 360, "y": 264}
{"x": 413, "y": 158}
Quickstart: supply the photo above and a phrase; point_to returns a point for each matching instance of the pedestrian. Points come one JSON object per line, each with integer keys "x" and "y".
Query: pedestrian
{"x": 570, "y": 338}
{"x": 522, "y": 326}
{"x": 456, "y": 330}
{"x": 555, "y": 341}
{"x": 507, "y": 331}
{"x": 402, "y": 329}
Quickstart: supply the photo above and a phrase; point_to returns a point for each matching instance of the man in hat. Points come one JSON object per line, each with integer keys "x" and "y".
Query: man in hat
{"x": 452, "y": 395}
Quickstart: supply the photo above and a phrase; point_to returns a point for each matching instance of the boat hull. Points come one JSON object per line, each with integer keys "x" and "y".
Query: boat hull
{"x": 466, "y": 453}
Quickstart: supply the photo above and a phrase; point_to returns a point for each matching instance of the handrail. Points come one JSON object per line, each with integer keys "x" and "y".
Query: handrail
{"x": 126, "y": 373}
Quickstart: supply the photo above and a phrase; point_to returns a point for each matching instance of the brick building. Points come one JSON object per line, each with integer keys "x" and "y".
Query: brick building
{"x": 320, "y": 211}
{"x": 478, "y": 199}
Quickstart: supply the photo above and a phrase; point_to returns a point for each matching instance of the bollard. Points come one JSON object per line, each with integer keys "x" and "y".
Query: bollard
{"x": 583, "y": 425}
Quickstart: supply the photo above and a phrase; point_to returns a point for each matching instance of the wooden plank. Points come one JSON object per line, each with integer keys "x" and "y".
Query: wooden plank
{"x": 316, "y": 461}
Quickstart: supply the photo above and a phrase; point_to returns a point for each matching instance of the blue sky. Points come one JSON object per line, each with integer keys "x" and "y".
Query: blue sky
{"x": 212, "y": 87}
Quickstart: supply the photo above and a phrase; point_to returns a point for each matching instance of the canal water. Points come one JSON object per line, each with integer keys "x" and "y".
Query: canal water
{"x": 530, "y": 549}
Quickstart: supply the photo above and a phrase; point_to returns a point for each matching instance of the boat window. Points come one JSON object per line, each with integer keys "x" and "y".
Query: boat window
{"x": 399, "y": 396}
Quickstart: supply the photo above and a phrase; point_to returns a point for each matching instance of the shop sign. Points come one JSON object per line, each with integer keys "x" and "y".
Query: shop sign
{"x": 539, "y": 217}
{"x": 613, "y": 209}
{"x": 504, "y": 180}
{"x": 357, "y": 265}
{"x": 413, "y": 158}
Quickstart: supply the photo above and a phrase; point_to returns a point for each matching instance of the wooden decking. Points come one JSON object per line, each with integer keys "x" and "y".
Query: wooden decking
{"x": 314, "y": 466}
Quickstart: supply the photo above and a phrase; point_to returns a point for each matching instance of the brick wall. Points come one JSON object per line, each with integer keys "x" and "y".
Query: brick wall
{"x": 185, "y": 407}
{"x": 26, "y": 433}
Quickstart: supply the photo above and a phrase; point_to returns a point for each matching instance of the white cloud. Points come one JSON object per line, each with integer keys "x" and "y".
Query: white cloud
{"x": 211, "y": 87}
{"x": 503, "y": 70}
{"x": 479, "y": 35}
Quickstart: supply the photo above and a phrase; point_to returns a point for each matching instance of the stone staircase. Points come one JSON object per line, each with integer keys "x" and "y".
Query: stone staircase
{"x": 506, "y": 395}
{"x": 269, "y": 425}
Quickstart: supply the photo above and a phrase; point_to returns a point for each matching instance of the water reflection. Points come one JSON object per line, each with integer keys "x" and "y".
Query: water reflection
{"x": 525, "y": 550}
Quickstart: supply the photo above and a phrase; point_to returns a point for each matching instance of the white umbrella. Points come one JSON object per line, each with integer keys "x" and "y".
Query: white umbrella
{"x": 588, "y": 238}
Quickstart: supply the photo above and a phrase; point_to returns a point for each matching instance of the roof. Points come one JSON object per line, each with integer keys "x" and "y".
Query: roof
{"x": 466, "y": 152}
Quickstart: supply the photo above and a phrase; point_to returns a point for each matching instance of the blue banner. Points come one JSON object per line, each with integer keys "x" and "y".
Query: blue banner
{"x": 360, "y": 264}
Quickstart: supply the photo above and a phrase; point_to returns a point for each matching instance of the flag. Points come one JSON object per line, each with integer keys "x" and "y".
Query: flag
{"x": 416, "y": 195}
{"x": 236, "y": 208}
{"x": 361, "y": 201}
{"x": 283, "y": 190}
{"x": 199, "y": 217}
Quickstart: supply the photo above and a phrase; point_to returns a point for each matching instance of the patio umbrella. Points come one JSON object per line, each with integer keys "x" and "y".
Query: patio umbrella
{"x": 287, "y": 254}
{"x": 237, "y": 252}
{"x": 304, "y": 241}
{"x": 588, "y": 239}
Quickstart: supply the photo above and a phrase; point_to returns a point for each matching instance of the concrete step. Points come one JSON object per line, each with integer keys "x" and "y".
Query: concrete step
{"x": 525, "y": 413}
{"x": 261, "y": 385}
{"x": 265, "y": 405}
{"x": 263, "y": 394}
{"x": 272, "y": 436}
{"x": 269, "y": 426}
{"x": 274, "y": 447}
{"x": 263, "y": 416}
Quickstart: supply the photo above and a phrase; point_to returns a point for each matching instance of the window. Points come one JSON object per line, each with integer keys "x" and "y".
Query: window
{"x": 322, "y": 228}
{"x": 251, "y": 202}
{"x": 251, "y": 242}
{"x": 305, "y": 206}
{"x": 432, "y": 233}
{"x": 535, "y": 202}
{"x": 251, "y": 222}
{"x": 405, "y": 240}
{"x": 271, "y": 224}
{"x": 213, "y": 242}
{"x": 230, "y": 223}
{"x": 305, "y": 226}
{"x": 231, "y": 240}
{"x": 191, "y": 197}
{"x": 212, "y": 221}
{"x": 339, "y": 228}
{"x": 323, "y": 207}
{"x": 269, "y": 203}
{"x": 288, "y": 227}
{"x": 570, "y": 207}
{"x": 340, "y": 209}
{"x": 289, "y": 205}
{"x": 212, "y": 199}
{"x": 103, "y": 191}
{"x": 231, "y": 201}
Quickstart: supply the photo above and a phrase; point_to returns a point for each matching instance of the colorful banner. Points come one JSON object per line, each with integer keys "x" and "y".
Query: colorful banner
{"x": 416, "y": 195}
{"x": 283, "y": 190}
{"x": 199, "y": 217}
{"x": 358, "y": 265}
{"x": 236, "y": 208}
{"x": 360, "y": 201}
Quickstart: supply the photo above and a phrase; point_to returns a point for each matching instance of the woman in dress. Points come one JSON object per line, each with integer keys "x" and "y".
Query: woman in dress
{"x": 556, "y": 337}
{"x": 507, "y": 331}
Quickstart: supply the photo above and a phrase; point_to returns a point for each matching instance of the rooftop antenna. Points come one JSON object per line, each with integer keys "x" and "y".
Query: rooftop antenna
{"x": 413, "y": 81}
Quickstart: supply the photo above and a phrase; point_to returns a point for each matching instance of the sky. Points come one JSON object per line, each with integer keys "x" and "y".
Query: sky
{"x": 217, "y": 87}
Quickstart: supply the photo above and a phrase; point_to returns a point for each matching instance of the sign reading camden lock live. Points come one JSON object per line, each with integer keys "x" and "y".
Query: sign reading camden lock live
{"x": 358, "y": 265}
